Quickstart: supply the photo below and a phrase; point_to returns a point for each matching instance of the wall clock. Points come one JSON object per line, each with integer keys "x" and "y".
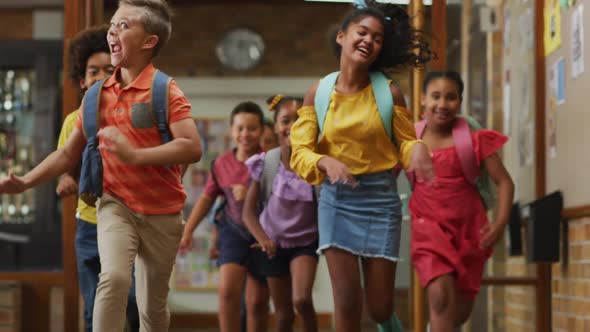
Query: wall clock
{"x": 240, "y": 49}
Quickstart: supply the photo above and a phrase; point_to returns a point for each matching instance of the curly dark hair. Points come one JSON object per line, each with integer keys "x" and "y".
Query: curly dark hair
{"x": 277, "y": 106}
{"x": 451, "y": 75}
{"x": 85, "y": 44}
{"x": 403, "y": 46}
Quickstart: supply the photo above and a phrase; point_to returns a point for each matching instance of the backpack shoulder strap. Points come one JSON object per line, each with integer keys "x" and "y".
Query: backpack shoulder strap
{"x": 91, "y": 118}
{"x": 160, "y": 88}
{"x": 384, "y": 99}
{"x": 212, "y": 171}
{"x": 465, "y": 149}
{"x": 471, "y": 121}
{"x": 420, "y": 126}
{"x": 272, "y": 160}
{"x": 322, "y": 98}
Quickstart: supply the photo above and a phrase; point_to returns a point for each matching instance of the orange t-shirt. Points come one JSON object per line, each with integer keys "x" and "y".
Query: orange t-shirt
{"x": 143, "y": 189}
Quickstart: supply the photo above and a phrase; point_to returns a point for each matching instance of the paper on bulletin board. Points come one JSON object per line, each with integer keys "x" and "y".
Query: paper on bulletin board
{"x": 526, "y": 30}
{"x": 577, "y": 43}
{"x": 506, "y": 40}
{"x": 552, "y": 20}
{"x": 507, "y": 104}
{"x": 560, "y": 80}
{"x": 552, "y": 129}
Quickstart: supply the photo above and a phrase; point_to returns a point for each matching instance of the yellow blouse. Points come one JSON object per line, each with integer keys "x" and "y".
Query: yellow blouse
{"x": 353, "y": 134}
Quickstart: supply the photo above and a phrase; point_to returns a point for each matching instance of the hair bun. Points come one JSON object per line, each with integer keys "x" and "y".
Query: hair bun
{"x": 274, "y": 102}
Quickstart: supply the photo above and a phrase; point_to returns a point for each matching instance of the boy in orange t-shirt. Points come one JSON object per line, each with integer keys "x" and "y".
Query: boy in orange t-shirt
{"x": 139, "y": 214}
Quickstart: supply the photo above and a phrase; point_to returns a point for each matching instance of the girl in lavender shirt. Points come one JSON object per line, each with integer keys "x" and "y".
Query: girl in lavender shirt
{"x": 286, "y": 229}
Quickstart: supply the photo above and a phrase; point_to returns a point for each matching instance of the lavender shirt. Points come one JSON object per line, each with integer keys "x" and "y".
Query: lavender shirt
{"x": 290, "y": 216}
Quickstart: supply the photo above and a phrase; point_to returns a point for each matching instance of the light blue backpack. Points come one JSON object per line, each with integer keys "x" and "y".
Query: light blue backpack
{"x": 381, "y": 91}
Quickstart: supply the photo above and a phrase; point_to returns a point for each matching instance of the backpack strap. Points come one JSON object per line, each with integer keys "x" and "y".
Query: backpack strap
{"x": 420, "y": 126}
{"x": 322, "y": 98}
{"x": 91, "y": 118}
{"x": 160, "y": 88}
{"x": 381, "y": 92}
{"x": 272, "y": 160}
{"x": 384, "y": 99}
{"x": 465, "y": 151}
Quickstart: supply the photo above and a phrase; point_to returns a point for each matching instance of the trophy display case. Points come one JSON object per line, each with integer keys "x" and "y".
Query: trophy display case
{"x": 30, "y": 118}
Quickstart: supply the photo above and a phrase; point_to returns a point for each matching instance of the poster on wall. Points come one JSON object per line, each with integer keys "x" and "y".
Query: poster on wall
{"x": 552, "y": 28}
{"x": 196, "y": 269}
{"x": 506, "y": 40}
{"x": 577, "y": 43}
{"x": 526, "y": 138}
{"x": 552, "y": 129}
{"x": 560, "y": 80}
{"x": 526, "y": 31}
{"x": 507, "y": 103}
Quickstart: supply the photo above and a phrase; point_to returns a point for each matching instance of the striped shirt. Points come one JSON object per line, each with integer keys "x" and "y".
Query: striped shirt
{"x": 150, "y": 190}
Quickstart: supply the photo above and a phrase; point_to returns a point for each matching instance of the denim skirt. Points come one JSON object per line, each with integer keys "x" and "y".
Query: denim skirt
{"x": 364, "y": 220}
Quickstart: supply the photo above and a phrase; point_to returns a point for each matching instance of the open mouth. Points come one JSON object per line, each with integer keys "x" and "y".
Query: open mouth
{"x": 363, "y": 50}
{"x": 115, "y": 47}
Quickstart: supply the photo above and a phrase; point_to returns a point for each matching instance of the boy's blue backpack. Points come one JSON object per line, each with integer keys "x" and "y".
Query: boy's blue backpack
{"x": 381, "y": 91}
{"x": 90, "y": 186}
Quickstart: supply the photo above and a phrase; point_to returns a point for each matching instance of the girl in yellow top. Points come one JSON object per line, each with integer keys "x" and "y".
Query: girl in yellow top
{"x": 359, "y": 212}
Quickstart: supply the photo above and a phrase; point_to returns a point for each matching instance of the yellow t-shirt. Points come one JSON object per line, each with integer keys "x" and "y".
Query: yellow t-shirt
{"x": 83, "y": 212}
{"x": 353, "y": 134}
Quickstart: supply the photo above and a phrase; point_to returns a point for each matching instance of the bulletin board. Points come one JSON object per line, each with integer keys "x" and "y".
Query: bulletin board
{"x": 568, "y": 105}
{"x": 195, "y": 270}
{"x": 518, "y": 81}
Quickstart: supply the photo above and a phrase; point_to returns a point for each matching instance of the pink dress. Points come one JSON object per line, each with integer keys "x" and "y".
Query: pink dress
{"x": 447, "y": 216}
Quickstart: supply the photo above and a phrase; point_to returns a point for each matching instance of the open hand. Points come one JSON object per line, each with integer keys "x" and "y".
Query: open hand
{"x": 421, "y": 163}
{"x": 67, "y": 186}
{"x": 112, "y": 140}
{"x": 12, "y": 184}
{"x": 490, "y": 234}
{"x": 337, "y": 171}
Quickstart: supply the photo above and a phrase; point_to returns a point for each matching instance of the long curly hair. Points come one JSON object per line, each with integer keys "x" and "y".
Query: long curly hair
{"x": 403, "y": 46}
{"x": 85, "y": 44}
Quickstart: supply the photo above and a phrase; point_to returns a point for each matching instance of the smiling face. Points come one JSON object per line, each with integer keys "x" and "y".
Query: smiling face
{"x": 441, "y": 102}
{"x": 127, "y": 37}
{"x": 286, "y": 116}
{"x": 246, "y": 130}
{"x": 362, "y": 41}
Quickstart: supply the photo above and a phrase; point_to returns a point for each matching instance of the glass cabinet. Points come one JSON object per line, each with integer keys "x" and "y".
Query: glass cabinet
{"x": 30, "y": 118}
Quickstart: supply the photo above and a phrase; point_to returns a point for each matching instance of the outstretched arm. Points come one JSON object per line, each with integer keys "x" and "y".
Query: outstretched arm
{"x": 495, "y": 168}
{"x": 199, "y": 212}
{"x": 57, "y": 163}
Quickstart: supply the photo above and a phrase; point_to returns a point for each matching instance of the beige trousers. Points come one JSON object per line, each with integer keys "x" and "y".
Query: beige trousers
{"x": 152, "y": 241}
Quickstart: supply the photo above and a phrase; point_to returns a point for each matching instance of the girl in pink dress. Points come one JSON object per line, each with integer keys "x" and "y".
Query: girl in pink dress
{"x": 451, "y": 235}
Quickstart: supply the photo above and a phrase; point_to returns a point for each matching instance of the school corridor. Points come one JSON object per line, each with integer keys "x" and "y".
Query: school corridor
{"x": 521, "y": 64}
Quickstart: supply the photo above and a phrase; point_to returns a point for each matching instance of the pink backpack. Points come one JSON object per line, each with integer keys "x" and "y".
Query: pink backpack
{"x": 466, "y": 152}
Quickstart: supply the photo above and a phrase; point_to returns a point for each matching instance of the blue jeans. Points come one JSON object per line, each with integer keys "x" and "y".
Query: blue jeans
{"x": 88, "y": 269}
